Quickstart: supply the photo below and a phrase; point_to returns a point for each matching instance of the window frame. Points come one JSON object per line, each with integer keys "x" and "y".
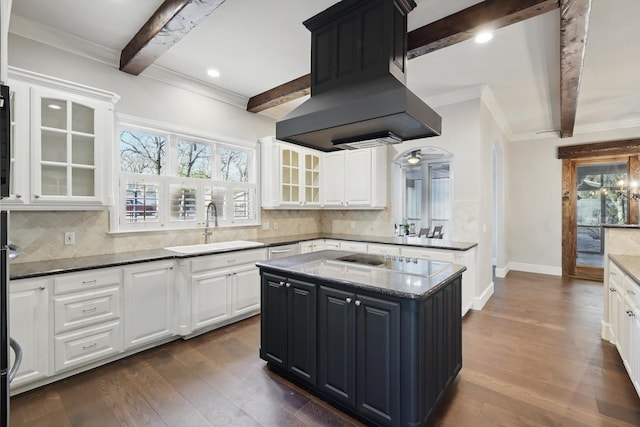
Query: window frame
{"x": 168, "y": 181}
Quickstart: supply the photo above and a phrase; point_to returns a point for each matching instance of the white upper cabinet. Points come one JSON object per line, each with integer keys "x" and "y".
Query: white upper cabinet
{"x": 355, "y": 179}
{"x": 296, "y": 177}
{"x": 290, "y": 175}
{"x": 61, "y": 133}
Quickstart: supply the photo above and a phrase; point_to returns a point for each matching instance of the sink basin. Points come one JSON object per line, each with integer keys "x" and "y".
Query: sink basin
{"x": 213, "y": 247}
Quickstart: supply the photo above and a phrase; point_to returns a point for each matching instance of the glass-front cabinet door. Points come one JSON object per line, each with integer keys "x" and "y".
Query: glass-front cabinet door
{"x": 67, "y": 143}
{"x": 290, "y": 172}
{"x": 311, "y": 172}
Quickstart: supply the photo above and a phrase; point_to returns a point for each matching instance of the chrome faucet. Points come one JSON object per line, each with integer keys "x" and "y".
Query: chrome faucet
{"x": 207, "y": 231}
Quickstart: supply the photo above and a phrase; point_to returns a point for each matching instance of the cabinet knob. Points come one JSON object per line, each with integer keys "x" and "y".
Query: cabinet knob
{"x": 36, "y": 196}
{"x": 612, "y": 289}
{"x": 288, "y": 285}
{"x": 613, "y": 273}
{"x": 631, "y": 292}
{"x": 348, "y": 300}
{"x": 42, "y": 288}
{"x": 281, "y": 283}
{"x": 18, "y": 196}
{"x": 357, "y": 303}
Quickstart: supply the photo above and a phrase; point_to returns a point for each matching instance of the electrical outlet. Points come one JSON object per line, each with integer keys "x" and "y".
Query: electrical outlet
{"x": 275, "y": 225}
{"x": 69, "y": 238}
{"x": 265, "y": 226}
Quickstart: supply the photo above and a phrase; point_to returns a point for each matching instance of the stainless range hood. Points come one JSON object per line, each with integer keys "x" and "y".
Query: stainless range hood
{"x": 358, "y": 93}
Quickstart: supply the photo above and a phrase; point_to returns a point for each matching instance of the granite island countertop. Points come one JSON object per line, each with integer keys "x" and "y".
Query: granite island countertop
{"x": 414, "y": 278}
{"x": 68, "y": 265}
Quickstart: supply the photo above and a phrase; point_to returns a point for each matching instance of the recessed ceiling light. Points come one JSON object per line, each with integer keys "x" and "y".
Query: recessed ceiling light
{"x": 212, "y": 72}
{"x": 54, "y": 107}
{"x": 483, "y": 37}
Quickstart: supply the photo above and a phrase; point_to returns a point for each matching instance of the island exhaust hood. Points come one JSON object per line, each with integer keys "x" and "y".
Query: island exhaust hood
{"x": 358, "y": 93}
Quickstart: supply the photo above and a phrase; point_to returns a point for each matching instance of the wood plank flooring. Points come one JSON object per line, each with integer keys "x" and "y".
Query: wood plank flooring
{"x": 532, "y": 357}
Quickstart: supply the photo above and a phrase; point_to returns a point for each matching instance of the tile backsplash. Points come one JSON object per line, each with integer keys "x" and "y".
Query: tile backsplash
{"x": 41, "y": 234}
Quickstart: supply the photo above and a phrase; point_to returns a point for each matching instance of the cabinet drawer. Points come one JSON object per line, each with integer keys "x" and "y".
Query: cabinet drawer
{"x": 86, "y": 308}
{"x": 632, "y": 289}
{"x": 428, "y": 254}
{"x": 353, "y": 247}
{"x": 384, "y": 250}
{"x": 87, "y": 280}
{"x": 212, "y": 262}
{"x": 87, "y": 345}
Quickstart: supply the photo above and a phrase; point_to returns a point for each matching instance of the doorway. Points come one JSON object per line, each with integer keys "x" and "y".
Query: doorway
{"x": 597, "y": 196}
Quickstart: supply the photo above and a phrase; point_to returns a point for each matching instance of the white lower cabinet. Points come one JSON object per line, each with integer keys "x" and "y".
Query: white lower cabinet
{"x": 353, "y": 247}
{"x": 624, "y": 320}
{"x": 87, "y": 309}
{"x": 377, "y": 249}
{"x": 223, "y": 288}
{"x": 149, "y": 296}
{"x": 29, "y": 326}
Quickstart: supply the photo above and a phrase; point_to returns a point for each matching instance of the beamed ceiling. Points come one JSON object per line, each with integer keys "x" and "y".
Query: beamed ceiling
{"x": 536, "y": 62}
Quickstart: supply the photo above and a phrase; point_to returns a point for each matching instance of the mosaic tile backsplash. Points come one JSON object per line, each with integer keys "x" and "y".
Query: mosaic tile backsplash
{"x": 41, "y": 234}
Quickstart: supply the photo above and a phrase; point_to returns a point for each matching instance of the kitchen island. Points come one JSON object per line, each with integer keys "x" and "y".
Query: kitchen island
{"x": 380, "y": 338}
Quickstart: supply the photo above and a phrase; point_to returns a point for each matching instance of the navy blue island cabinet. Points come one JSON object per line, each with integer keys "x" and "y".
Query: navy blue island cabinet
{"x": 382, "y": 342}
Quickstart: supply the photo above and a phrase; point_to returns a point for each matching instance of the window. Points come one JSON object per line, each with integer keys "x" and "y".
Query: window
{"x": 167, "y": 180}
{"x": 424, "y": 190}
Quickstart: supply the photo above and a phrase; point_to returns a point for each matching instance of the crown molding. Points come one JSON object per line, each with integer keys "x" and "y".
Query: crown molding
{"x": 64, "y": 41}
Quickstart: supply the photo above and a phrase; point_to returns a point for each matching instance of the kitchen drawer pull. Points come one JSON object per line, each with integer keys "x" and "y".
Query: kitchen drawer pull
{"x": 90, "y": 282}
{"x": 631, "y": 292}
{"x": 42, "y": 288}
{"x": 231, "y": 260}
{"x": 357, "y": 303}
{"x": 283, "y": 251}
{"x": 89, "y": 310}
{"x": 348, "y": 300}
{"x": 288, "y": 285}
{"x": 612, "y": 289}
{"x": 89, "y": 347}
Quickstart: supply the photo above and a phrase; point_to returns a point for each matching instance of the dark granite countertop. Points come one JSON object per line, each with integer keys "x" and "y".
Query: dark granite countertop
{"x": 630, "y": 264}
{"x": 371, "y": 272}
{"x": 68, "y": 265}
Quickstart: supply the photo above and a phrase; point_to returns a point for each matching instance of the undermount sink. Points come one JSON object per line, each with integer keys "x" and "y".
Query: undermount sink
{"x": 213, "y": 247}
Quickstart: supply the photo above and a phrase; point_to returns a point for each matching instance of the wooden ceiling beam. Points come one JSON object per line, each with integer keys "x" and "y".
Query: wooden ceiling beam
{"x": 574, "y": 22}
{"x": 170, "y": 22}
{"x": 465, "y": 24}
{"x": 447, "y": 31}
{"x": 279, "y": 95}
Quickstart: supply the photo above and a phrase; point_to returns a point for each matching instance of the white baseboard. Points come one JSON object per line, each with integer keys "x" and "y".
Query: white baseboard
{"x": 479, "y": 302}
{"x": 501, "y": 272}
{"x": 533, "y": 268}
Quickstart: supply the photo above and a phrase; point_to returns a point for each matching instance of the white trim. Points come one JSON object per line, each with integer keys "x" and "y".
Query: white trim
{"x": 155, "y": 126}
{"x": 534, "y": 268}
{"x": 32, "y": 78}
{"x": 479, "y": 302}
{"x": 45, "y": 34}
{"x": 501, "y": 272}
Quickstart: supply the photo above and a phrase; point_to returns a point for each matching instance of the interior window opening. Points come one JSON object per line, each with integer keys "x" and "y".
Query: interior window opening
{"x": 424, "y": 185}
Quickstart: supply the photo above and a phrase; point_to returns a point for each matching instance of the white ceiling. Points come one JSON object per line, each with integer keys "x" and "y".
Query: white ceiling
{"x": 259, "y": 44}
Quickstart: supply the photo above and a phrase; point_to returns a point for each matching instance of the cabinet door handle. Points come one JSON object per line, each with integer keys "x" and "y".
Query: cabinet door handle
{"x": 42, "y": 288}
{"x": 612, "y": 289}
{"x": 281, "y": 283}
{"x": 89, "y": 310}
{"x": 89, "y": 282}
{"x": 357, "y": 303}
{"x": 288, "y": 285}
{"x": 348, "y": 300}
{"x": 89, "y": 347}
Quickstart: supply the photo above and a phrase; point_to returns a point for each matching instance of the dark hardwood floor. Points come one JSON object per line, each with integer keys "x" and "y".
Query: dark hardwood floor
{"x": 532, "y": 357}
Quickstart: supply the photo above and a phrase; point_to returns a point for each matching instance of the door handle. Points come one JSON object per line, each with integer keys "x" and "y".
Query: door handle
{"x": 17, "y": 361}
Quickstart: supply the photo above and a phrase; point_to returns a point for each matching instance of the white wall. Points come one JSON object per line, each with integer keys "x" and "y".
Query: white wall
{"x": 534, "y": 202}
{"x": 142, "y": 96}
